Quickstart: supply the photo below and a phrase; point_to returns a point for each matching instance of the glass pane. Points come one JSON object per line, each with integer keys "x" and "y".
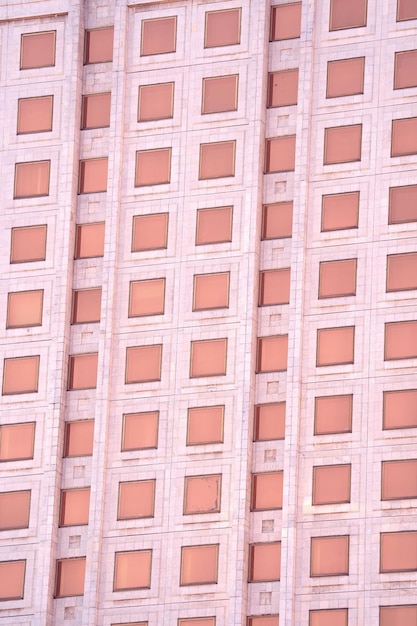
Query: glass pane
{"x": 331, "y": 484}
{"x": 283, "y": 88}
{"x": 280, "y": 154}
{"x": 198, "y": 621}
{"x": 37, "y": 50}
{"x": 401, "y": 272}
{"x": 143, "y": 364}
{"x": 199, "y": 565}
{"x": 340, "y": 211}
{"x": 202, "y": 494}
{"x": 12, "y": 580}
{"x": 34, "y": 115}
{"x": 286, "y": 21}
{"x": 265, "y": 562}
{"x": 132, "y": 570}
{"x": 75, "y": 507}
{"x": 337, "y": 278}
{"x": 153, "y": 167}
{"x": 83, "y": 371}
{"x": 28, "y": 244}
{"x": 333, "y": 414}
{"x": 267, "y": 491}
{"x": 99, "y": 45}
{"x": 211, "y": 291}
{"x": 217, "y": 160}
{"x": 342, "y": 144}
{"x": 400, "y": 409}
{"x": 70, "y": 575}
{"x": 399, "y": 479}
{"x": 403, "y": 204}
{"x": 400, "y": 340}
{"x": 405, "y": 69}
{"x": 264, "y": 620}
{"x": 150, "y": 232}
{"x": 156, "y": 102}
{"x": 147, "y": 297}
{"x": 159, "y": 35}
{"x": 398, "y": 552}
{"x": 93, "y": 175}
{"x": 205, "y": 425}
{"x": 398, "y": 615}
{"x": 274, "y": 287}
{"x": 329, "y": 617}
{"x": 24, "y": 308}
{"x": 350, "y": 14}
{"x": 270, "y": 421}
{"x": 406, "y": 10}
{"x": 96, "y": 110}
{"x": 140, "y": 431}
{"x": 404, "y": 137}
{"x": 220, "y": 94}
{"x": 214, "y": 225}
{"x": 31, "y": 179}
{"x": 86, "y": 306}
{"x": 277, "y": 220}
{"x": 89, "y": 240}
{"x": 17, "y": 441}
{"x": 335, "y": 346}
{"x": 208, "y": 358}
{"x": 136, "y": 499}
{"x": 222, "y": 28}
{"x": 79, "y": 438}
{"x": 20, "y": 375}
{"x": 14, "y": 509}
{"x": 345, "y": 77}
{"x": 272, "y": 354}
{"x": 329, "y": 556}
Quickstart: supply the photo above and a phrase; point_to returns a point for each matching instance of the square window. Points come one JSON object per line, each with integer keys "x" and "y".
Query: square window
{"x": 331, "y": 484}
{"x": 405, "y": 74}
{"x": 159, "y": 36}
{"x": 329, "y": 617}
{"x": 399, "y": 479}
{"x": 404, "y": 137}
{"x": 340, "y": 211}
{"x": 269, "y": 421}
{"x": 75, "y": 507}
{"x": 202, "y": 494}
{"x": 14, "y": 510}
{"x": 267, "y": 491}
{"x": 208, "y": 358}
{"x": 345, "y": 77}
{"x": 34, "y": 115}
{"x": 220, "y": 94}
{"x": 406, "y": 10}
{"x": 199, "y": 565}
{"x": 156, "y": 102}
{"x": 401, "y": 272}
{"x": 89, "y": 240}
{"x": 264, "y": 562}
{"x": 140, "y": 431}
{"x": 398, "y": 552}
{"x": 217, "y": 160}
{"x": 214, "y": 225}
{"x": 272, "y": 354}
{"x": 398, "y": 615}
{"x": 24, "y": 309}
{"x": 205, "y": 425}
{"x": 150, "y": 232}
{"x": 286, "y": 21}
{"x": 329, "y": 556}
{"x": 264, "y": 620}
{"x": 28, "y": 244}
{"x": 337, "y": 278}
{"x": 79, "y": 438}
{"x": 96, "y": 111}
{"x": 400, "y": 340}
{"x": 86, "y": 305}
{"x": 17, "y": 441}
{"x": 402, "y": 204}
{"x": 342, "y": 144}
{"x": 274, "y": 287}
{"x": 131, "y": 624}
{"x": 136, "y": 499}
{"x": 153, "y": 167}
{"x": 31, "y": 180}
{"x": 93, "y": 175}
{"x": 283, "y": 88}
{"x": 198, "y": 621}
{"x": 69, "y": 580}
{"x": 12, "y": 580}
{"x": 280, "y": 154}
{"x": 335, "y": 346}
{"x": 211, "y": 291}
{"x": 277, "y": 220}
{"x": 132, "y": 570}
{"x": 147, "y": 297}
{"x": 20, "y": 375}
{"x": 333, "y": 415}
{"x": 98, "y": 45}
{"x": 143, "y": 364}
{"x": 400, "y": 409}
{"x": 37, "y": 50}
{"x": 347, "y": 14}
{"x": 222, "y": 28}
{"x": 83, "y": 371}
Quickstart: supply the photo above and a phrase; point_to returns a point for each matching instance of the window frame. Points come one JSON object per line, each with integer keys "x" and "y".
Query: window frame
{"x": 158, "y": 19}
{"x": 347, "y": 553}
{"x": 239, "y": 9}
{"x": 38, "y": 195}
{"x": 28, "y": 458}
{"x": 190, "y": 478}
{"x": 204, "y": 545}
{"x": 31, "y": 132}
{"x": 41, "y": 32}
{"x": 87, "y": 32}
{"x": 22, "y": 594}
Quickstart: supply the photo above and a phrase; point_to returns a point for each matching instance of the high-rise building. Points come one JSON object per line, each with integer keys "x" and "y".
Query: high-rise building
{"x": 208, "y": 313}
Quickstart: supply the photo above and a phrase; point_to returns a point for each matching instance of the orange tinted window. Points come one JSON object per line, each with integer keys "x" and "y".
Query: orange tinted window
{"x": 342, "y": 144}
{"x": 214, "y": 225}
{"x": 400, "y": 409}
{"x": 14, "y": 509}
{"x": 267, "y": 491}
{"x": 205, "y": 425}
{"x": 402, "y": 204}
{"x": 272, "y": 354}
{"x": 406, "y": 10}
{"x": 24, "y": 308}
{"x": 405, "y": 69}
{"x": 222, "y": 28}
{"x": 399, "y": 479}
{"x": 351, "y": 14}
{"x": 140, "y": 431}
{"x": 329, "y": 556}
{"x": 156, "y": 102}
{"x": 150, "y": 232}
{"x": 333, "y": 414}
{"x": 202, "y": 494}
{"x": 83, "y": 371}
{"x": 261, "y": 620}
{"x": 211, "y": 291}
{"x": 199, "y": 621}
{"x": 31, "y": 179}
{"x": 398, "y": 615}
{"x": 12, "y": 579}
{"x": 99, "y": 45}
{"x": 75, "y": 506}
{"x": 398, "y": 552}
{"x": 337, "y": 278}
{"x": 37, "y": 50}
{"x": 217, "y": 160}
{"x": 335, "y": 346}
{"x": 86, "y": 305}
{"x": 274, "y": 287}
{"x": 401, "y": 272}
{"x": 404, "y": 137}
{"x": 329, "y": 617}
{"x": 331, "y": 484}
{"x": 132, "y": 570}
{"x": 136, "y": 499}
{"x": 283, "y": 88}
{"x": 70, "y": 574}
{"x": 199, "y": 565}
{"x": 208, "y": 358}
{"x": 159, "y": 35}
{"x": 28, "y": 244}
{"x": 143, "y": 364}
{"x": 34, "y": 115}
{"x": 400, "y": 340}
{"x": 20, "y": 375}
{"x": 89, "y": 240}
{"x": 286, "y": 21}
{"x": 79, "y": 438}
{"x": 280, "y": 154}
{"x": 269, "y": 421}
{"x": 345, "y": 77}
{"x": 264, "y": 562}
{"x": 153, "y": 167}
{"x": 147, "y": 297}
{"x": 93, "y": 175}
{"x": 220, "y": 94}
{"x": 277, "y": 220}
{"x": 96, "y": 110}
{"x": 340, "y": 211}
{"x": 16, "y": 441}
